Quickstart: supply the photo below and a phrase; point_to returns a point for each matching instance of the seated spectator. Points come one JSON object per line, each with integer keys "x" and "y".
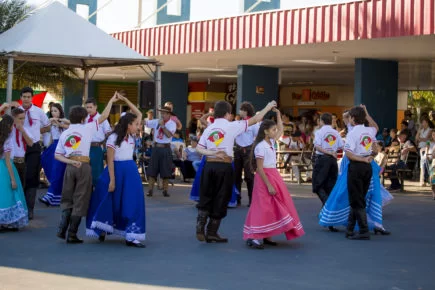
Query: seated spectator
{"x": 177, "y": 146}
{"x": 380, "y": 158}
{"x": 406, "y": 147}
{"x": 384, "y": 137}
{"x": 192, "y": 156}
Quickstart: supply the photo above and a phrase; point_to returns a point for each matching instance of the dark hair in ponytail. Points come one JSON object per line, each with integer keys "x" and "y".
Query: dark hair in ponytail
{"x": 5, "y": 130}
{"x": 265, "y": 125}
{"x": 122, "y": 127}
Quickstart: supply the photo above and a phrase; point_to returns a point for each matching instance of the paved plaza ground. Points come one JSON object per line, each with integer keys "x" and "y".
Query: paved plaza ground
{"x": 35, "y": 259}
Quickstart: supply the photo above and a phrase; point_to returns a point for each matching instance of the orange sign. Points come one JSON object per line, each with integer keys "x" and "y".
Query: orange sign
{"x": 309, "y": 95}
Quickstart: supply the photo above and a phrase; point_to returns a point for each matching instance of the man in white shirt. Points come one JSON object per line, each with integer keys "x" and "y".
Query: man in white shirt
{"x": 217, "y": 143}
{"x": 358, "y": 149}
{"x": 104, "y": 129}
{"x": 326, "y": 142}
{"x": 148, "y": 131}
{"x": 161, "y": 156}
{"x": 36, "y": 123}
{"x": 242, "y": 152}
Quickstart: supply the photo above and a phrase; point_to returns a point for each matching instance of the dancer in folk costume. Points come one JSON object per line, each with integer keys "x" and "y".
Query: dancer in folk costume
{"x": 73, "y": 149}
{"x": 21, "y": 138}
{"x": 272, "y": 211}
{"x": 13, "y": 209}
{"x": 242, "y": 153}
{"x": 327, "y": 142}
{"x": 96, "y": 154}
{"x": 117, "y": 203}
{"x": 365, "y": 191}
{"x": 217, "y": 178}
{"x": 54, "y": 169}
{"x": 36, "y": 123}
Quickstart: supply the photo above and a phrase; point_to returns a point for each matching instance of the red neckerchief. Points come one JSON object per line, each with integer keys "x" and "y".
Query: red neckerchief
{"x": 17, "y": 138}
{"x": 91, "y": 117}
{"x": 29, "y": 118}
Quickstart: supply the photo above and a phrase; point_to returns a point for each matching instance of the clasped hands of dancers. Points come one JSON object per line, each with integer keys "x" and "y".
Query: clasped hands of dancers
{"x": 103, "y": 208}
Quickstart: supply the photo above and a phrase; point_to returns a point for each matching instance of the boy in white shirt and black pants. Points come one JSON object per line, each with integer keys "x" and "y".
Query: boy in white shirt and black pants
{"x": 358, "y": 149}
{"x": 217, "y": 143}
{"x": 242, "y": 152}
{"x": 37, "y": 123}
{"x": 326, "y": 142}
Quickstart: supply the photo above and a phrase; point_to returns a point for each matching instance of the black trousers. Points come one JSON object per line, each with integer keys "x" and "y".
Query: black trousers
{"x": 216, "y": 187}
{"x": 242, "y": 159}
{"x": 325, "y": 175}
{"x": 21, "y": 168}
{"x": 33, "y": 165}
{"x": 359, "y": 175}
{"x": 186, "y": 168}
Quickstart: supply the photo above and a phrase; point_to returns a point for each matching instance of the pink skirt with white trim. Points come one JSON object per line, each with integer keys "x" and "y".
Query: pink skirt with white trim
{"x": 271, "y": 215}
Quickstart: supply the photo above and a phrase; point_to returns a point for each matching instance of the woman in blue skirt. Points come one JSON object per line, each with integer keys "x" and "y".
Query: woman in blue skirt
{"x": 336, "y": 209}
{"x": 117, "y": 203}
{"x": 13, "y": 208}
{"x": 54, "y": 169}
{"x": 194, "y": 192}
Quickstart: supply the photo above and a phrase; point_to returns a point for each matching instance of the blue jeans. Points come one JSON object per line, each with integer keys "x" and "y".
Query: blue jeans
{"x": 195, "y": 164}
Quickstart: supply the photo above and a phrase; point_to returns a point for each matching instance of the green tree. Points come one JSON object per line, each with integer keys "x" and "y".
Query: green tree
{"x": 29, "y": 74}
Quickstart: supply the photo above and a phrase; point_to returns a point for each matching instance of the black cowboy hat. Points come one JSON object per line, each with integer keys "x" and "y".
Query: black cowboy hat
{"x": 166, "y": 110}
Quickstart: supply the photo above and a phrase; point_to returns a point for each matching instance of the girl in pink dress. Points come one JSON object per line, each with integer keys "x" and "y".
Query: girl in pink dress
{"x": 272, "y": 211}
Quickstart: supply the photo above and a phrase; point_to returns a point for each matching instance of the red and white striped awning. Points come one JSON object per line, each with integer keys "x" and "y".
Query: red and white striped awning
{"x": 341, "y": 22}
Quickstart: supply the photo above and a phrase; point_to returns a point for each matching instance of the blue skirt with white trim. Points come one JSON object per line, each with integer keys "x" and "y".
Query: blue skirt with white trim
{"x": 121, "y": 212}
{"x": 337, "y": 208}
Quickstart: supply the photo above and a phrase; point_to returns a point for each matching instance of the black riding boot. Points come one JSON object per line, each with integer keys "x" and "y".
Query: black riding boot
{"x": 351, "y": 223}
{"x": 201, "y": 221}
{"x": 212, "y": 229}
{"x": 30, "y": 195}
{"x": 73, "y": 229}
{"x": 364, "y": 233}
{"x": 64, "y": 223}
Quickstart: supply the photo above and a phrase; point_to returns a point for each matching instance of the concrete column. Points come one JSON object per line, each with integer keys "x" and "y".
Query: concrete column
{"x": 376, "y": 86}
{"x": 257, "y": 84}
{"x": 175, "y": 88}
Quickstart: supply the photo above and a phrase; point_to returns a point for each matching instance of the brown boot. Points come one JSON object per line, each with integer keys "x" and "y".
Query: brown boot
{"x": 151, "y": 182}
{"x": 165, "y": 187}
{"x": 212, "y": 229}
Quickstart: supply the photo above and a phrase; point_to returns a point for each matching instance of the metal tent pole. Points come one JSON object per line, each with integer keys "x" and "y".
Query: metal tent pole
{"x": 158, "y": 83}
{"x": 85, "y": 85}
{"x": 10, "y": 79}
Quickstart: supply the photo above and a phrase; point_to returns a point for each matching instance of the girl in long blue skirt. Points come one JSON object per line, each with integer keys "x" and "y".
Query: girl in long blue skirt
{"x": 13, "y": 208}
{"x": 117, "y": 205}
{"x": 336, "y": 209}
{"x": 194, "y": 192}
{"x": 54, "y": 169}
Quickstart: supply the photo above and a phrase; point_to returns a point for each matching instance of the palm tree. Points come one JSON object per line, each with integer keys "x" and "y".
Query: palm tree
{"x": 30, "y": 74}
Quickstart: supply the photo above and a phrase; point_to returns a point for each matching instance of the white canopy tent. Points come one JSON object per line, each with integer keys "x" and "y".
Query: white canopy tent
{"x": 55, "y": 35}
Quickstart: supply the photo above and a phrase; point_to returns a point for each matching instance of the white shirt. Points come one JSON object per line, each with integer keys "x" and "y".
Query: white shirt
{"x": 295, "y": 145}
{"x": 146, "y": 129}
{"x": 248, "y": 138}
{"x": 103, "y": 129}
{"x": 39, "y": 119}
{"x": 8, "y": 147}
{"x": 77, "y": 139}
{"x": 159, "y": 135}
{"x": 266, "y": 152}
{"x": 359, "y": 141}
{"x": 19, "y": 150}
{"x": 125, "y": 150}
{"x": 55, "y": 132}
{"x": 328, "y": 139}
{"x": 220, "y": 135}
